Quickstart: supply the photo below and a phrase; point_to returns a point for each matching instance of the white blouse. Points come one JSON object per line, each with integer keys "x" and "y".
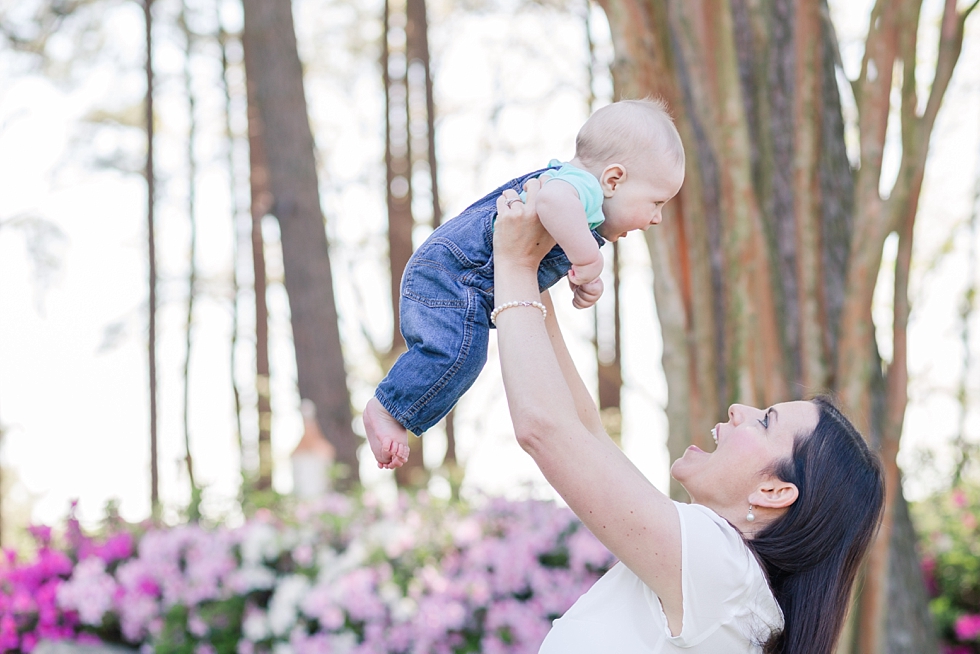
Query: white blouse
{"x": 728, "y": 607}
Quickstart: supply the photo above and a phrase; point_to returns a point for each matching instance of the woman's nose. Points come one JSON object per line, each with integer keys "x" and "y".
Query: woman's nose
{"x": 736, "y": 414}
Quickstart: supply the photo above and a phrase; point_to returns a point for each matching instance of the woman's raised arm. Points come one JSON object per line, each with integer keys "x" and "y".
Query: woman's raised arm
{"x": 588, "y": 414}
{"x": 616, "y": 502}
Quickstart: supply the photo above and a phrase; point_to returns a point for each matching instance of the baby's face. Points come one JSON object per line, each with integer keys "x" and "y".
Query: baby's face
{"x": 637, "y": 201}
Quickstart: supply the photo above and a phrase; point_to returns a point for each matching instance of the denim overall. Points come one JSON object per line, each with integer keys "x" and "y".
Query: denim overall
{"x": 446, "y": 300}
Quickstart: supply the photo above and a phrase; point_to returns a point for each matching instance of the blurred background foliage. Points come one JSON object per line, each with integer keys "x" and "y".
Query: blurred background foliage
{"x": 950, "y": 545}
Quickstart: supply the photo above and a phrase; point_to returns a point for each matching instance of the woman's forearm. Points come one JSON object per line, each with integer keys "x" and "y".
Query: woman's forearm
{"x": 584, "y": 404}
{"x": 539, "y": 397}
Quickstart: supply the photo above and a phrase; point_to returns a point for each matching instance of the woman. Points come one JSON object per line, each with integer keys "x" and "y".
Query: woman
{"x": 782, "y": 511}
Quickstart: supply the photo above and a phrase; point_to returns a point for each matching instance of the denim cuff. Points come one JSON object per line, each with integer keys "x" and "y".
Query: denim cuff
{"x": 398, "y": 415}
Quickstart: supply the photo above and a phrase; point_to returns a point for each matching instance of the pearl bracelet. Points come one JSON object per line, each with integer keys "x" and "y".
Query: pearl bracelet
{"x": 518, "y": 303}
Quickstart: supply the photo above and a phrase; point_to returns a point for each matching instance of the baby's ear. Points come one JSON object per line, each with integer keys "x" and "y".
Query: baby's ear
{"x": 611, "y": 177}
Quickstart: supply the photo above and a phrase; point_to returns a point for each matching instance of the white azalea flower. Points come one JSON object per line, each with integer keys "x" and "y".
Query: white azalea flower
{"x": 404, "y": 609}
{"x": 285, "y": 602}
{"x": 251, "y": 577}
{"x": 389, "y": 592}
{"x": 261, "y": 543}
{"x": 255, "y": 626}
{"x": 343, "y": 643}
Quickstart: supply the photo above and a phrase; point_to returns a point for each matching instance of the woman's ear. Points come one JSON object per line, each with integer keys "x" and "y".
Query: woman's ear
{"x": 611, "y": 177}
{"x": 774, "y": 494}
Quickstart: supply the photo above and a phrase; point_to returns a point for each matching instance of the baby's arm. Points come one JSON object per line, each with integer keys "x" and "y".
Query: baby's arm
{"x": 562, "y": 214}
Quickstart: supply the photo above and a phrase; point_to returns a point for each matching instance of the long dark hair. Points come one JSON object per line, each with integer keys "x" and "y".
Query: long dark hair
{"x": 812, "y": 553}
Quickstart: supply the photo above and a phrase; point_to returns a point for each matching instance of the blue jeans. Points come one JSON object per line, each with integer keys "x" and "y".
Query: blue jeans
{"x": 446, "y": 300}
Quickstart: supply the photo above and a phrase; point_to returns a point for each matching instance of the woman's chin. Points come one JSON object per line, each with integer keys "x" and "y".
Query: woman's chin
{"x": 692, "y": 458}
{"x": 679, "y": 470}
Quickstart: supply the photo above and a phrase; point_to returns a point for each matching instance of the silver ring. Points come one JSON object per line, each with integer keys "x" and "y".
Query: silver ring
{"x": 512, "y": 201}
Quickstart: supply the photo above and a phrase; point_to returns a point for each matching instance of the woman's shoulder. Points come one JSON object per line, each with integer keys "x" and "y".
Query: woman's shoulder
{"x": 723, "y": 582}
{"x": 701, "y": 518}
{"x": 710, "y": 543}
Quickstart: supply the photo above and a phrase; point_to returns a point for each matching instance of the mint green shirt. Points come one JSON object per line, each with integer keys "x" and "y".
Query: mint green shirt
{"x": 587, "y": 187}
{"x": 585, "y": 184}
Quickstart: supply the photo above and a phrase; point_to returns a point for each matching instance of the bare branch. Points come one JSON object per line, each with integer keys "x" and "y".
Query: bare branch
{"x": 875, "y": 84}
{"x": 950, "y": 46}
{"x": 908, "y": 44}
{"x": 45, "y": 242}
{"x": 48, "y": 19}
{"x": 875, "y": 30}
{"x": 916, "y": 131}
{"x": 911, "y": 123}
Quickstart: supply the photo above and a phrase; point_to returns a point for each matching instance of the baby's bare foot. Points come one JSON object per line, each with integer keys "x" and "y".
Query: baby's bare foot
{"x": 387, "y": 438}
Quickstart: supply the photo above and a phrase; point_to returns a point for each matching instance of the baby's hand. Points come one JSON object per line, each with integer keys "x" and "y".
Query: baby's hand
{"x": 585, "y": 273}
{"x": 585, "y": 295}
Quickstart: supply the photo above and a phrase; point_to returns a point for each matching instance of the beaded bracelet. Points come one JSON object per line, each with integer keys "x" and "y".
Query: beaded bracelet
{"x": 517, "y": 303}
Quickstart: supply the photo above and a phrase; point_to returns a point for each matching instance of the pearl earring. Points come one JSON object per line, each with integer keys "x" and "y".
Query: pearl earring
{"x": 751, "y": 516}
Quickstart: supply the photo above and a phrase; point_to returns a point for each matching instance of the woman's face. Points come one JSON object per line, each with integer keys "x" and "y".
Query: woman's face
{"x": 748, "y": 445}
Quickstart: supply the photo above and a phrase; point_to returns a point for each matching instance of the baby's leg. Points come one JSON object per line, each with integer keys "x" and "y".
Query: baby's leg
{"x": 447, "y": 348}
{"x": 387, "y": 438}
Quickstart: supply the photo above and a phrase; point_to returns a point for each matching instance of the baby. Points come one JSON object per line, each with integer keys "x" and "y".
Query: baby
{"x": 629, "y": 161}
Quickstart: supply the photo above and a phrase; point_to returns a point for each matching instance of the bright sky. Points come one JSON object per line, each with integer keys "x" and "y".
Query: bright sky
{"x": 510, "y": 93}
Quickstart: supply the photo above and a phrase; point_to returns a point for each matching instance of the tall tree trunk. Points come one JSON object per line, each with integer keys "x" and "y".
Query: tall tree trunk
{"x": 609, "y": 353}
{"x": 261, "y": 202}
{"x": 410, "y": 111}
{"x": 272, "y": 64}
{"x": 236, "y": 213}
{"x": 450, "y": 461}
{"x": 398, "y": 158}
{"x": 192, "y": 253}
{"x": 607, "y": 339}
{"x": 398, "y": 175}
{"x": 151, "y": 256}
{"x": 965, "y": 447}
{"x": 766, "y": 266}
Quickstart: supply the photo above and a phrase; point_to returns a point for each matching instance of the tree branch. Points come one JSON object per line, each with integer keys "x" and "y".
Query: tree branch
{"x": 950, "y": 46}
{"x": 911, "y": 123}
{"x": 917, "y": 130}
{"x": 870, "y": 44}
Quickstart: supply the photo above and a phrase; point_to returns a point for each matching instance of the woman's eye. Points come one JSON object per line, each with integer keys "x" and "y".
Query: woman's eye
{"x": 765, "y": 421}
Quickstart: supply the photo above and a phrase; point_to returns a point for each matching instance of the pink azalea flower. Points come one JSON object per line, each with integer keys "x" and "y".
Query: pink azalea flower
{"x": 41, "y": 534}
{"x": 116, "y": 548}
{"x": 967, "y": 627}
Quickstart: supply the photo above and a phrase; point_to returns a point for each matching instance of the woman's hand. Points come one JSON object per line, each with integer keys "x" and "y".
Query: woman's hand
{"x": 519, "y": 239}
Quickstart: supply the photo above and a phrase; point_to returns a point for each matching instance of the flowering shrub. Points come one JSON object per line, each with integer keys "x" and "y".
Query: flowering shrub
{"x": 29, "y": 590}
{"x": 341, "y": 575}
{"x": 951, "y": 562}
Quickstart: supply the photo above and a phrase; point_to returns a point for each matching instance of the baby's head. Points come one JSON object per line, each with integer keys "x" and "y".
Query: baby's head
{"x": 630, "y": 131}
{"x": 634, "y": 150}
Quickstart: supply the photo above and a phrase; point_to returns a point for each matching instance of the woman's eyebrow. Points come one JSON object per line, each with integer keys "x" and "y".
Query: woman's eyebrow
{"x": 775, "y": 414}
